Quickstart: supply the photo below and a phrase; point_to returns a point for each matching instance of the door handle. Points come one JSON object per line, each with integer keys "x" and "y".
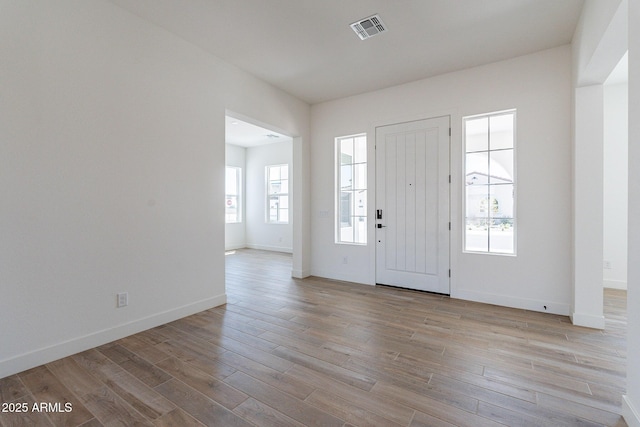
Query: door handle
{"x": 381, "y": 226}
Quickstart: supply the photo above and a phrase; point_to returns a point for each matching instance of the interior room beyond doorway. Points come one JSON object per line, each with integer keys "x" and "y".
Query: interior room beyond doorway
{"x": 258, "y": 187}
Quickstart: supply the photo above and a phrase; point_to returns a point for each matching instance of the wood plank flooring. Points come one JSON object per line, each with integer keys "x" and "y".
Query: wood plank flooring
{"x": 316, "y": 352}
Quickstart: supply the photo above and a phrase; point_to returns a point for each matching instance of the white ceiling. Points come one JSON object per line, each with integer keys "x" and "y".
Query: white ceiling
{"x": 244, "y": 134}
{"x": 307, "y": 48}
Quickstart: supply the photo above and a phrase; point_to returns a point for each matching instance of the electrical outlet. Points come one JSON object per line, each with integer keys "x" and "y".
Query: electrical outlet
{"x": 606, "y": 265}
{"x": 123, "y": 299}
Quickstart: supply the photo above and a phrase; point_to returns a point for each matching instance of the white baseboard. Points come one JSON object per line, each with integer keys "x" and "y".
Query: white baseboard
{"x": 614, "y": 284}
{"x": 67, "y": 348}
{"x": 336, "y": 275}
{"x": 513, "y": 302}
{"x": 300, "y": 274}
{"x": 587, "y": 320}
{"x": 630, "y": 412}
{"x": 270, "y": 248}
{"x": 234, "y": 247}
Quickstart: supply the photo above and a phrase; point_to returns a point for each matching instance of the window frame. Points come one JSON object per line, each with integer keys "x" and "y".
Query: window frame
{"x": 490, "y": 206}
{"x": 279, "y": 194}
{"x": 339, "y": 193}
{"x": 238, "y": 195}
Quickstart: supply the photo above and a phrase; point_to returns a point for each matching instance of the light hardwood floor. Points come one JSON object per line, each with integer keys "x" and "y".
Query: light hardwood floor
{"x": 316, "y": 352}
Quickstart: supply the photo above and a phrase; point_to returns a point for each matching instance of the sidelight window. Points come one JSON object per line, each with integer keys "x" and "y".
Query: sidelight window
{"x": 490, "y": 220}
{"x": 351, "y": 191}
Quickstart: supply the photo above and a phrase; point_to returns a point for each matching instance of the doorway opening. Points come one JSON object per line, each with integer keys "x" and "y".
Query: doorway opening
{"x": 615, "y": 177}
{"x": 258, "y": 186}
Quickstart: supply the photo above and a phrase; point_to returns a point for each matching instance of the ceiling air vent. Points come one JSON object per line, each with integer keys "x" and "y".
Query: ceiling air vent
{"x": 369, "y": 27}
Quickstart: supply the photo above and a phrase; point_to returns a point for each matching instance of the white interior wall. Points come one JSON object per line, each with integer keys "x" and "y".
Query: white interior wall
{"x": 587, "y": 307}
{"x": 598, "y": 44}
{"x": 235, "y": 233}
{"x": 301, "y": 207}
{"x": 605, "y": 31}
{"x": 599, "y": 41}
{"x": 260, "y": 234}
{"x": 539, "y": 87}
{"x": 112, "y": 136}
{"x": 631, "y": 401}
{"x": 616, "y": 136}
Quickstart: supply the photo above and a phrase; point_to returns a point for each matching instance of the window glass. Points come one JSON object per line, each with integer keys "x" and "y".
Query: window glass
{"x": 477, "y": 134}
{"x": 277, "y": 194}
{"x": 232, "y": 194}
{"x": 501, "y": 131}
{"x": 490, "y": 217}
{"x": 351, "y": 191}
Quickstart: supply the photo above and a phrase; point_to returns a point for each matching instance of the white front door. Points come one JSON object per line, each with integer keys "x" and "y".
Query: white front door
{"x": 412, "y": 205}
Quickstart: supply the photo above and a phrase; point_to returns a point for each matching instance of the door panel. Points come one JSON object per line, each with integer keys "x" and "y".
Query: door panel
{"x": 412, "y": 190}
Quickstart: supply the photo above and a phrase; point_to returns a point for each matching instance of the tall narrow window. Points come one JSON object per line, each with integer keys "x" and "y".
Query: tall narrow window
{"x": 232, "y": 210}
{"x": 490, "y": 222}
{"x": 351, "y": 197}
{"x": 278, "y": 194}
